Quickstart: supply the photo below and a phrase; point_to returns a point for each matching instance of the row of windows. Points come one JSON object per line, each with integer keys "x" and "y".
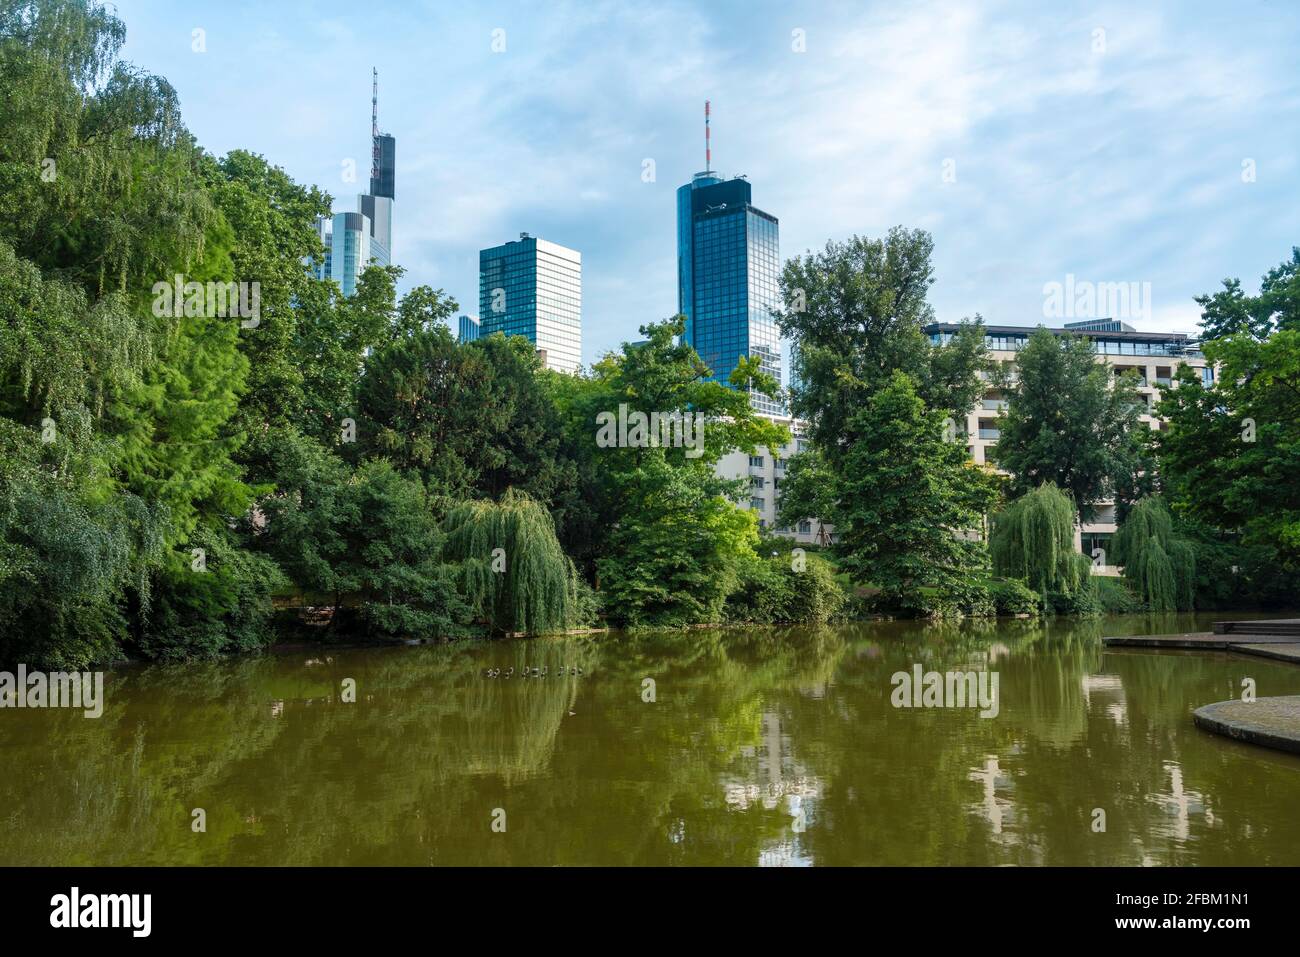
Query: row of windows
{"x": 1109, "y": 347}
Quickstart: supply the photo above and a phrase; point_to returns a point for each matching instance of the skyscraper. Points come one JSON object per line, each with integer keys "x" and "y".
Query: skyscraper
{"x": 728, "y": 261}
{"x": 533, "y": 288}
{"x": 347, "y": 253}
{"x": 377, "y": 205}
{"x": 349, "y": 250}
{"x": 470, "y": 328}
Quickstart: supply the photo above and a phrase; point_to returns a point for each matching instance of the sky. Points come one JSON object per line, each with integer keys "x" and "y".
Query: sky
{"x": 1034, "y": 141}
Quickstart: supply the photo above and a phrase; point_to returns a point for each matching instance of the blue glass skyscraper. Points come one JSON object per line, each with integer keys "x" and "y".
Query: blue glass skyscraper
{"x": 728, "y": 263}
{"x": 533, "y": 288}
{"x": 470, "y": 328}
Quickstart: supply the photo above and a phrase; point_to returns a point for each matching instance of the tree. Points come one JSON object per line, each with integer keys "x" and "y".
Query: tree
{"x": 104, "y": 194}
{"x": 1159, "y": 565}
{"x": 1032, "y": 539}
{"x": 904, "y": 495}
{"x": 514, "y": 572}
{"x": 469, "y": 419}
{"x": 1230, "y": 453}
{"x": 1067, "y": 423}
{"x": 856, "y": 312}
{"x": 660, "y": 531}
{"x": 391, "y": 558}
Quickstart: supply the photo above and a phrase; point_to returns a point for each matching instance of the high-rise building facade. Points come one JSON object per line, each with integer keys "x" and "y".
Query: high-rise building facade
{"x": 470, "y": 328}
{"x": 533, "y": 288}
{"x": 728, "y": 266}
{"x": 346, "y": 237}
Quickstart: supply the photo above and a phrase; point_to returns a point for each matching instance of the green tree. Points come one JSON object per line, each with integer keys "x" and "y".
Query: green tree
{"x": 905, "y": 495}
{"x": 469, "y": 419}
{"x": 1068, "y": 423}
{"x": 1032, "y": 539}
{"x": 660, "y": 531}
{"x": 856, "y": 312}
{"x": 1160, "y": 565}
{"x": 514, "y": 572}
{"x": 1230, "y": 453}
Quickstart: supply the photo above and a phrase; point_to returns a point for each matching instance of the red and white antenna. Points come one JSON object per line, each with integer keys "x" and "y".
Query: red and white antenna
{"x": 708, "y": 152}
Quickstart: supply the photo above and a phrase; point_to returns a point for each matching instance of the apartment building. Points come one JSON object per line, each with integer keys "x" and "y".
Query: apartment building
{"x": 765, "y": 472}
{"x": 1154, "y": 356}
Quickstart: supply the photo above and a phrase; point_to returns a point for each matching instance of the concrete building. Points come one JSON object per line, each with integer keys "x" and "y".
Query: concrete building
{"x": 1154, "y": 356}
{"x": 765, "y": 472}
{"x": 353, "y": 240}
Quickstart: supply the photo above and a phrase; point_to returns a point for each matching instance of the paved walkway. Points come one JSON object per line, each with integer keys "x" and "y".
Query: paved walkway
{"x": 1271, "y": 722}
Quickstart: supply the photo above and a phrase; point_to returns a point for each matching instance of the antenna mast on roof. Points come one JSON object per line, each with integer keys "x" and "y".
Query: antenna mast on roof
{"x": 374, "y": 124}
{"x": 708, "y": 153}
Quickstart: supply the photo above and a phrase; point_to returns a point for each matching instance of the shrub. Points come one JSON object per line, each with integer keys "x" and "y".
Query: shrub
{"x": 1013, "y": 597}
{"x": 784, "y": 589}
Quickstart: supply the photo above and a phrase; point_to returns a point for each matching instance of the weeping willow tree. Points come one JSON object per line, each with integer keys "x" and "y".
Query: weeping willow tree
{"x": 1033, "y": 539}
{"x": 1159, "y": 565}
{"x": 513, "y": 571}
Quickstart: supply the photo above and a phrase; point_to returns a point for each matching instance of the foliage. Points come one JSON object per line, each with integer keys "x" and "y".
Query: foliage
{"x": 223, "y": 607}
{"x": 857, "y": 311}
{"x": 392, "y": 557}
{"x": 1067, "y": 423}
{"x": 661, "y": 532}
{"x": 513, "y": 571}
{"x": 904, "y": 495}
{"x": 68, "y": 550}
{"x": 675, "y": 557}
{"x": 1230, "y": 454}
{"x": 1012, "y": 597}
{"x": 1114, "y": 596}
{"x": 1159, "y": 565}
{"x": 1032, "y": 539}
{"x": 469, "y": 419}
{"x": 783, "y": 588}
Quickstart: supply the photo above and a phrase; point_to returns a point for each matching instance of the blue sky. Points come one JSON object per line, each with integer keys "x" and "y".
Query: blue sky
{"x": 1114, "y": 156}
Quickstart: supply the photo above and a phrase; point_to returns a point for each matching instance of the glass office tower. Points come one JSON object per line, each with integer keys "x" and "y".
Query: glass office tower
{"x": 728, "y": 263}
{"x": 470, "y": 328}
{"x": 533, "y": 288}
{"x": 347, "y": 249}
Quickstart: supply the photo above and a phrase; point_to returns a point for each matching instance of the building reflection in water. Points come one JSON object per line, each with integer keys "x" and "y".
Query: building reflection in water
{"x": 778, "y": 778}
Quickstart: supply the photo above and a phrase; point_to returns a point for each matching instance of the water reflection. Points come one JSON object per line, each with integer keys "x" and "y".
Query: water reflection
{"x": 775, "y": 747}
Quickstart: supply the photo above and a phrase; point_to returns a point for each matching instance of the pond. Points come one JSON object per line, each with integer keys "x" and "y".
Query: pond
{"x": 746, "y": 746}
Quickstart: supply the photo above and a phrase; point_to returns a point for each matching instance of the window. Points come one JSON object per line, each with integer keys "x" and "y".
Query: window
{"x": 757, "y": 481}
{"x": 756, "y": 461}
{"x": 805, "y": 527}
{"x": 756, "y": 504}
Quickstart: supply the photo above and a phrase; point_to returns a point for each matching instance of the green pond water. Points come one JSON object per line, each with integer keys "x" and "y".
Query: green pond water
{"x": 762, "y": 747}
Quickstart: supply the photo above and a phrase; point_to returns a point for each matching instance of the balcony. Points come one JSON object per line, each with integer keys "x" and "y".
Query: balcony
{"x": 993, "y": 405}
{"x": 993, "y": 434}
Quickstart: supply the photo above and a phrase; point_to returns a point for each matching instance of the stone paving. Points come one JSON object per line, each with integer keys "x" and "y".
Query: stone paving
{"x": 1271, "y": 722}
